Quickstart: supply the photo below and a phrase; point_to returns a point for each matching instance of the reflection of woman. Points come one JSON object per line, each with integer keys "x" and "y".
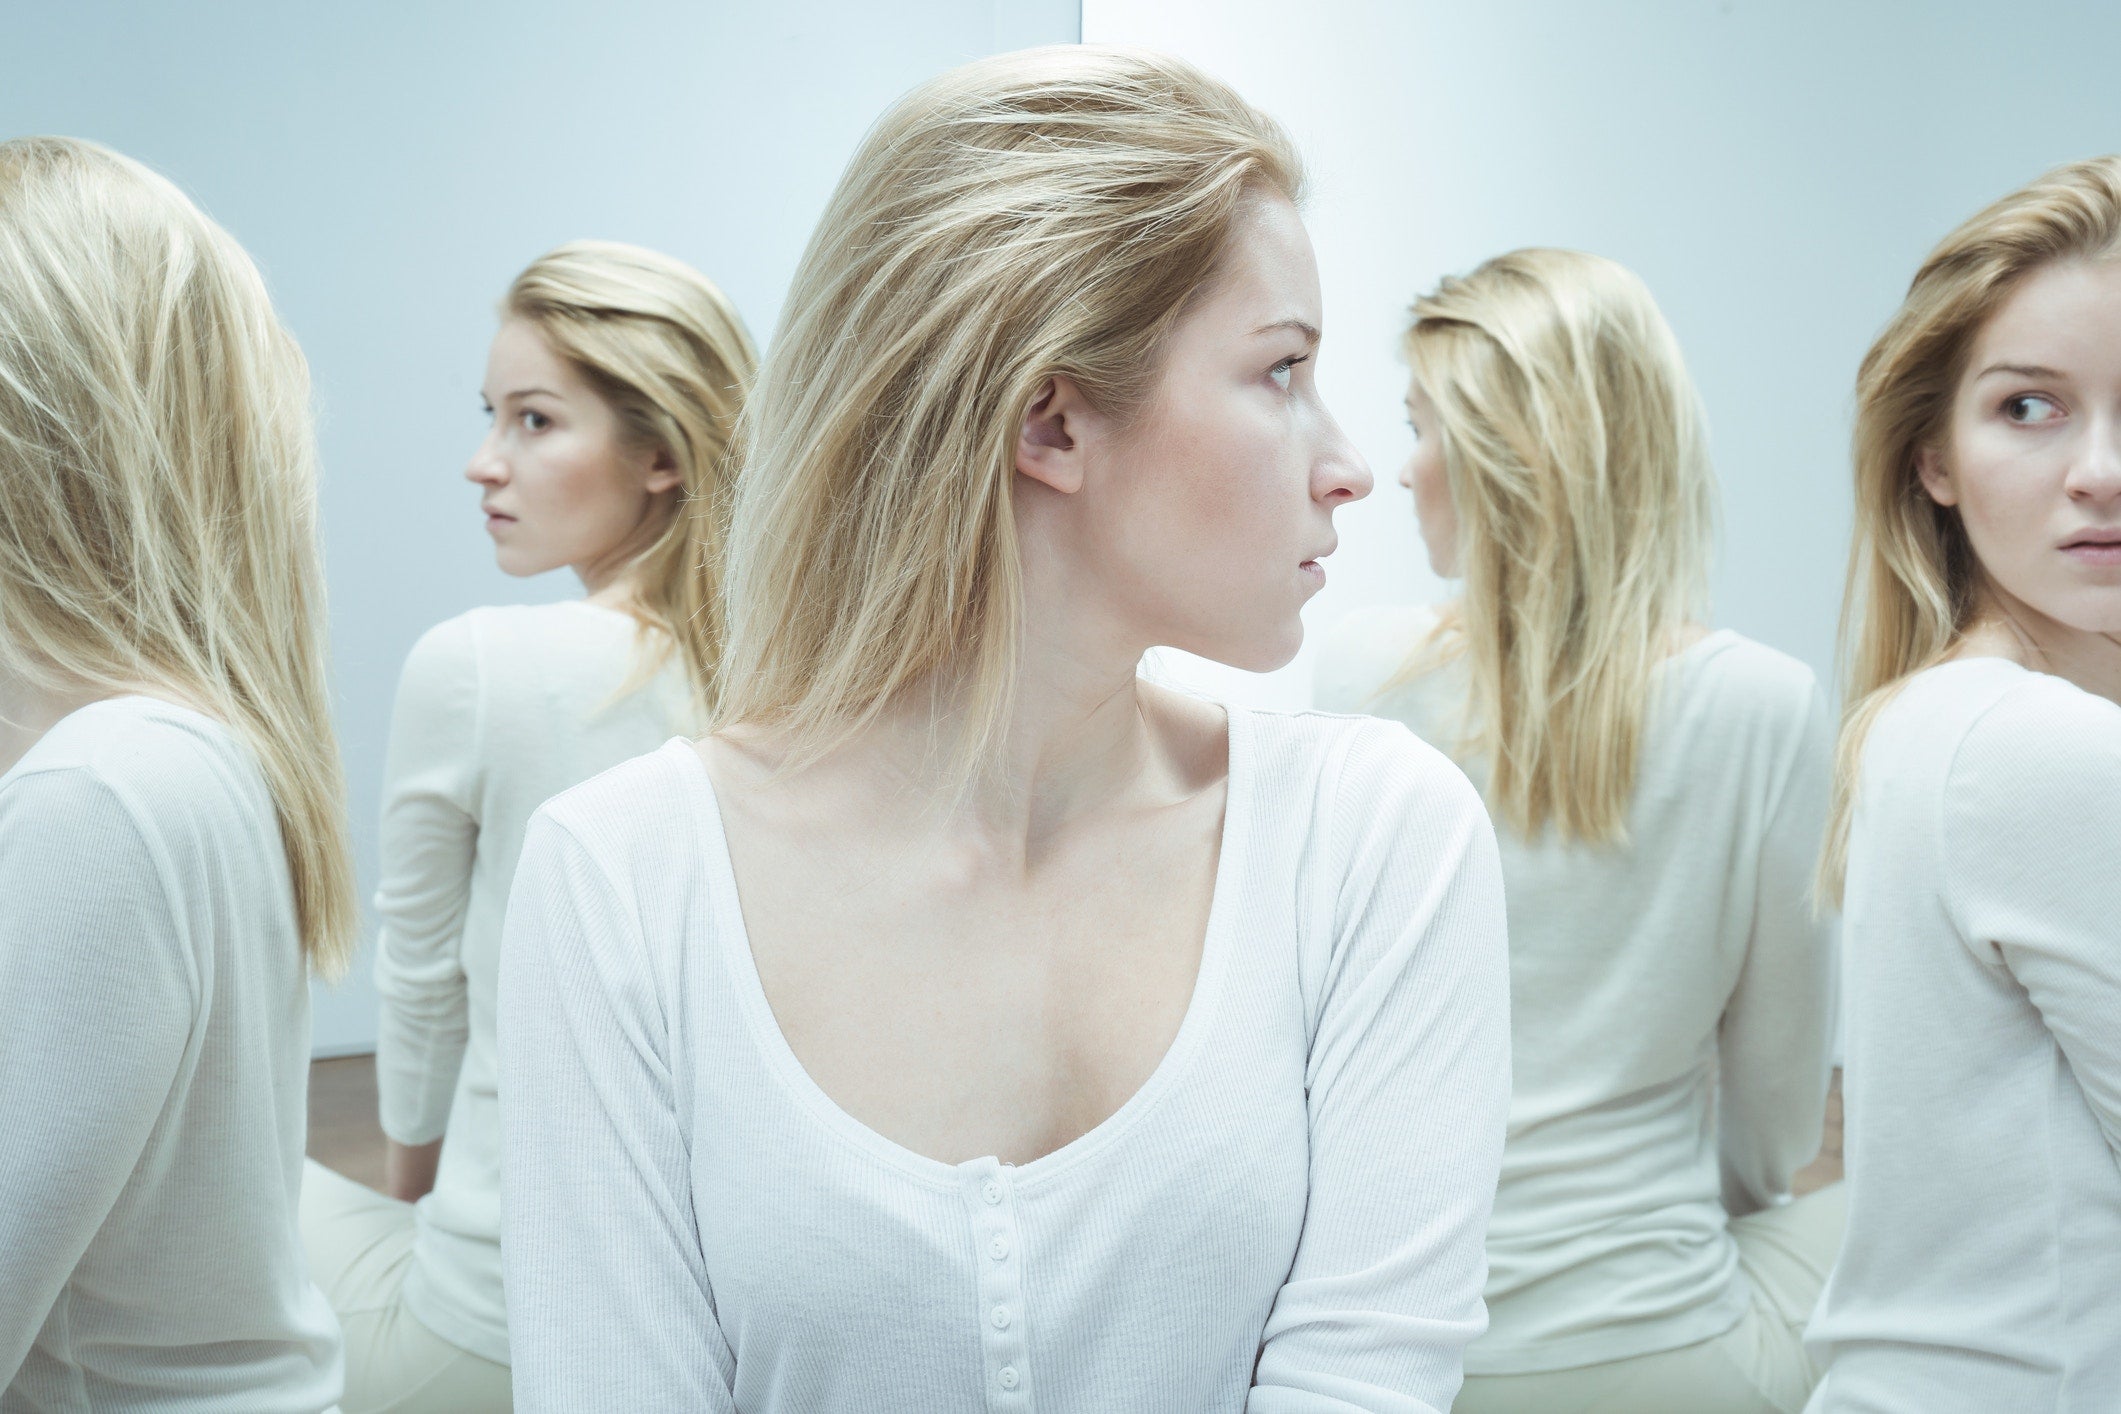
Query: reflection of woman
{"x": 966, "y": 1024}
{"x": 1982, "y": 827}
{"x": 614, "y": 383}
{"x": 173, "y": 854}
{"x": 1660, "y": 794}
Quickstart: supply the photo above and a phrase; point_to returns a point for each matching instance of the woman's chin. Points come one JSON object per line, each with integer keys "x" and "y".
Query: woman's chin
{"x": 1253, "y": 653}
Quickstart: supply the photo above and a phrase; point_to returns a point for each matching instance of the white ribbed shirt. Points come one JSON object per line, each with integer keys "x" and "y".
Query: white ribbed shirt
{"x": 1670, "y": 1001}
{"x": 498, "y": 710}
{"x": 154, "y": 1049}
{"x": 1286, "y": 1217}
{"x": 1981, "y": 1269}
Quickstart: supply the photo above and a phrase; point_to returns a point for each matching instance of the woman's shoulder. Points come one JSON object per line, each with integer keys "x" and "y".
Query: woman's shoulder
{"x": 1746, "y": 667}
{"x": 175, "y": 779}
{"x": 1745, "y": 687}
{"x": 2028, "y": 738}
{"x": 527, "y": 632}
{"x": 1988, "y": 740}
{"x": 2017, "y": 773}
{"x": 632, "y": 816}
{"x": 1359, "y": 771}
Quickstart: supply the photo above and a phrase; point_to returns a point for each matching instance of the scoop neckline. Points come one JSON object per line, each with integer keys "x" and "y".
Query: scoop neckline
{"x": 734, "y": 941}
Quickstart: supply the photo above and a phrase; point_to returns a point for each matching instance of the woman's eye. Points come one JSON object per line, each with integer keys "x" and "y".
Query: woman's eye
{"x": 1284, "y": 371}
{"x": 534, "y": 421}
{"x": 1411, "y": 427}
{"x": 2031, "y": 409}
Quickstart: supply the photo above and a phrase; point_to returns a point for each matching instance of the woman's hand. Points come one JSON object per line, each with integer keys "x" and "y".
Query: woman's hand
{"x": 409, "y": 1169}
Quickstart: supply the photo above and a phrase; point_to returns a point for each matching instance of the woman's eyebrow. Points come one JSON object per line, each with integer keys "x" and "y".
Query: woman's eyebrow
{"x": 2022, "y": 370}
{"x": 1309, "y": 332}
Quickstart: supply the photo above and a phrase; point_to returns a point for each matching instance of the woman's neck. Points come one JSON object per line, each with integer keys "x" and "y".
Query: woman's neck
{"x": 1081, "y": 737}
{"x": 2006, "y": 627}
{"x": 1073, "y": 740}
{"x": 29, "y": 710}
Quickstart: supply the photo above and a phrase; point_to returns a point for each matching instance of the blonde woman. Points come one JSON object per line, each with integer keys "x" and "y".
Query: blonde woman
{"x": 613, "y": 384}
{"x": 1660, "y": 792}
{"x": 965, "y": 1024}
{"x": 1980, "y": 827}
{"x": 173, "y": 852}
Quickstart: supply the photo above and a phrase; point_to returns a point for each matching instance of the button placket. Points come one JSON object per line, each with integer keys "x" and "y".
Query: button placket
{"x": 990, "y": 1205}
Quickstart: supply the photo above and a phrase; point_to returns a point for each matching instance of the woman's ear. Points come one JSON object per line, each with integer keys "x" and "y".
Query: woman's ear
{"x": 1936, "y": 476}
{"x": 1049, "y": 446}
{"x": 662, "y": 473}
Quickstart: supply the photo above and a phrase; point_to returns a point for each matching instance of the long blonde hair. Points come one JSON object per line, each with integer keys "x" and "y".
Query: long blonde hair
{"x": 670, "y": 353}
{"x": 1913, "y": 579}
{"x": 1048, "y": 212}
{"x": 1574, "y": 449}
{"x": 158, "y": 485}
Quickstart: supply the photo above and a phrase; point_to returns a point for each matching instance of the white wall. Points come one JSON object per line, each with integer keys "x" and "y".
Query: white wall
{"x": 392, "y": 166}
{"x": 1773, "y": 168}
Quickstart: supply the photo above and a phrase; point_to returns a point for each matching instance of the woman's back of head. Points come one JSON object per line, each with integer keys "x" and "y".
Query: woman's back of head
{"x": 1577, "y": 461}
{"x": 1040, "y": 214}
{"x": 668, "y": 350}
{"x": 158, "y": 484}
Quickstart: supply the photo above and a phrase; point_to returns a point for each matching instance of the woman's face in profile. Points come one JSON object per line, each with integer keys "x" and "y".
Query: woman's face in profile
{"x": 1216, "y": 504}
{"x": 1423, "y": 474}
{"x": 561, "y": 486}
{"x": 2032, "y": 458}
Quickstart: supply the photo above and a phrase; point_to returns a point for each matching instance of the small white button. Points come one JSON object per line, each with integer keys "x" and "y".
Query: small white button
{"x": 998, "y": 1248}
{"x": 991, "y": 1191}
{"x": 1000, "y": 1318}
{"x": 1008, "y": 1377}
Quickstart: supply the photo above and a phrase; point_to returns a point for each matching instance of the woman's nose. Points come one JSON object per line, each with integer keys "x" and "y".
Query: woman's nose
{"x": 486, "y": 468}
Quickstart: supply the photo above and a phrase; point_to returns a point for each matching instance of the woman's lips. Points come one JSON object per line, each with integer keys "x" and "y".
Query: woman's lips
{"x": 2103, "y": 553}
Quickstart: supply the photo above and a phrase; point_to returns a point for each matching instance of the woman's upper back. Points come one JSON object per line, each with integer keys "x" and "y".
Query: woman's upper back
{"x": 1644, "y": 975}
{"x": 158, "y": 1036}
{"x": 1984, "y": 1069}
{"x": 1734, "y": 729}
{"x": 499, "y": 710}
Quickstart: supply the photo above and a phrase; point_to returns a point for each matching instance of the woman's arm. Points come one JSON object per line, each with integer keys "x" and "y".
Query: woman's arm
{"x": 2032, "y": 834}
{"x": 608, "y": 1300}
{"x": 1409, "y": 1084}
{"x": 430, "y": 835}
{"x": 99, "y": 993}
{"x": 1776, "y": 1038}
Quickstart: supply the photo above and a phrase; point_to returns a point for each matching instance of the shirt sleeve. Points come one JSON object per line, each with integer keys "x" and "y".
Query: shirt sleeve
{"x": 430, "y": 833}
{"x": 609, "y": 1306}
{"x": 1776, "y": 1038}
{"x": 2032, "y": 840}
{"x": 100, "y": 991}
{"x": 1409, "y": 1084}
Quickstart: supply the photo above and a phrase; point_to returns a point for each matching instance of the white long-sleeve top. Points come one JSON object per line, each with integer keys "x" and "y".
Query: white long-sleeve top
{"x": 1981, "y": 1269}
{"x": 154, "y": 1049}
{"x": 1670, "y": 1001}
{"x": 1286, "y": 1217}
{"x": 498, "y": 710}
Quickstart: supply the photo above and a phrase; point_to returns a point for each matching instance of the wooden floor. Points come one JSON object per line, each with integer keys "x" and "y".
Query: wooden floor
{"x": 343, "y": 1133}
